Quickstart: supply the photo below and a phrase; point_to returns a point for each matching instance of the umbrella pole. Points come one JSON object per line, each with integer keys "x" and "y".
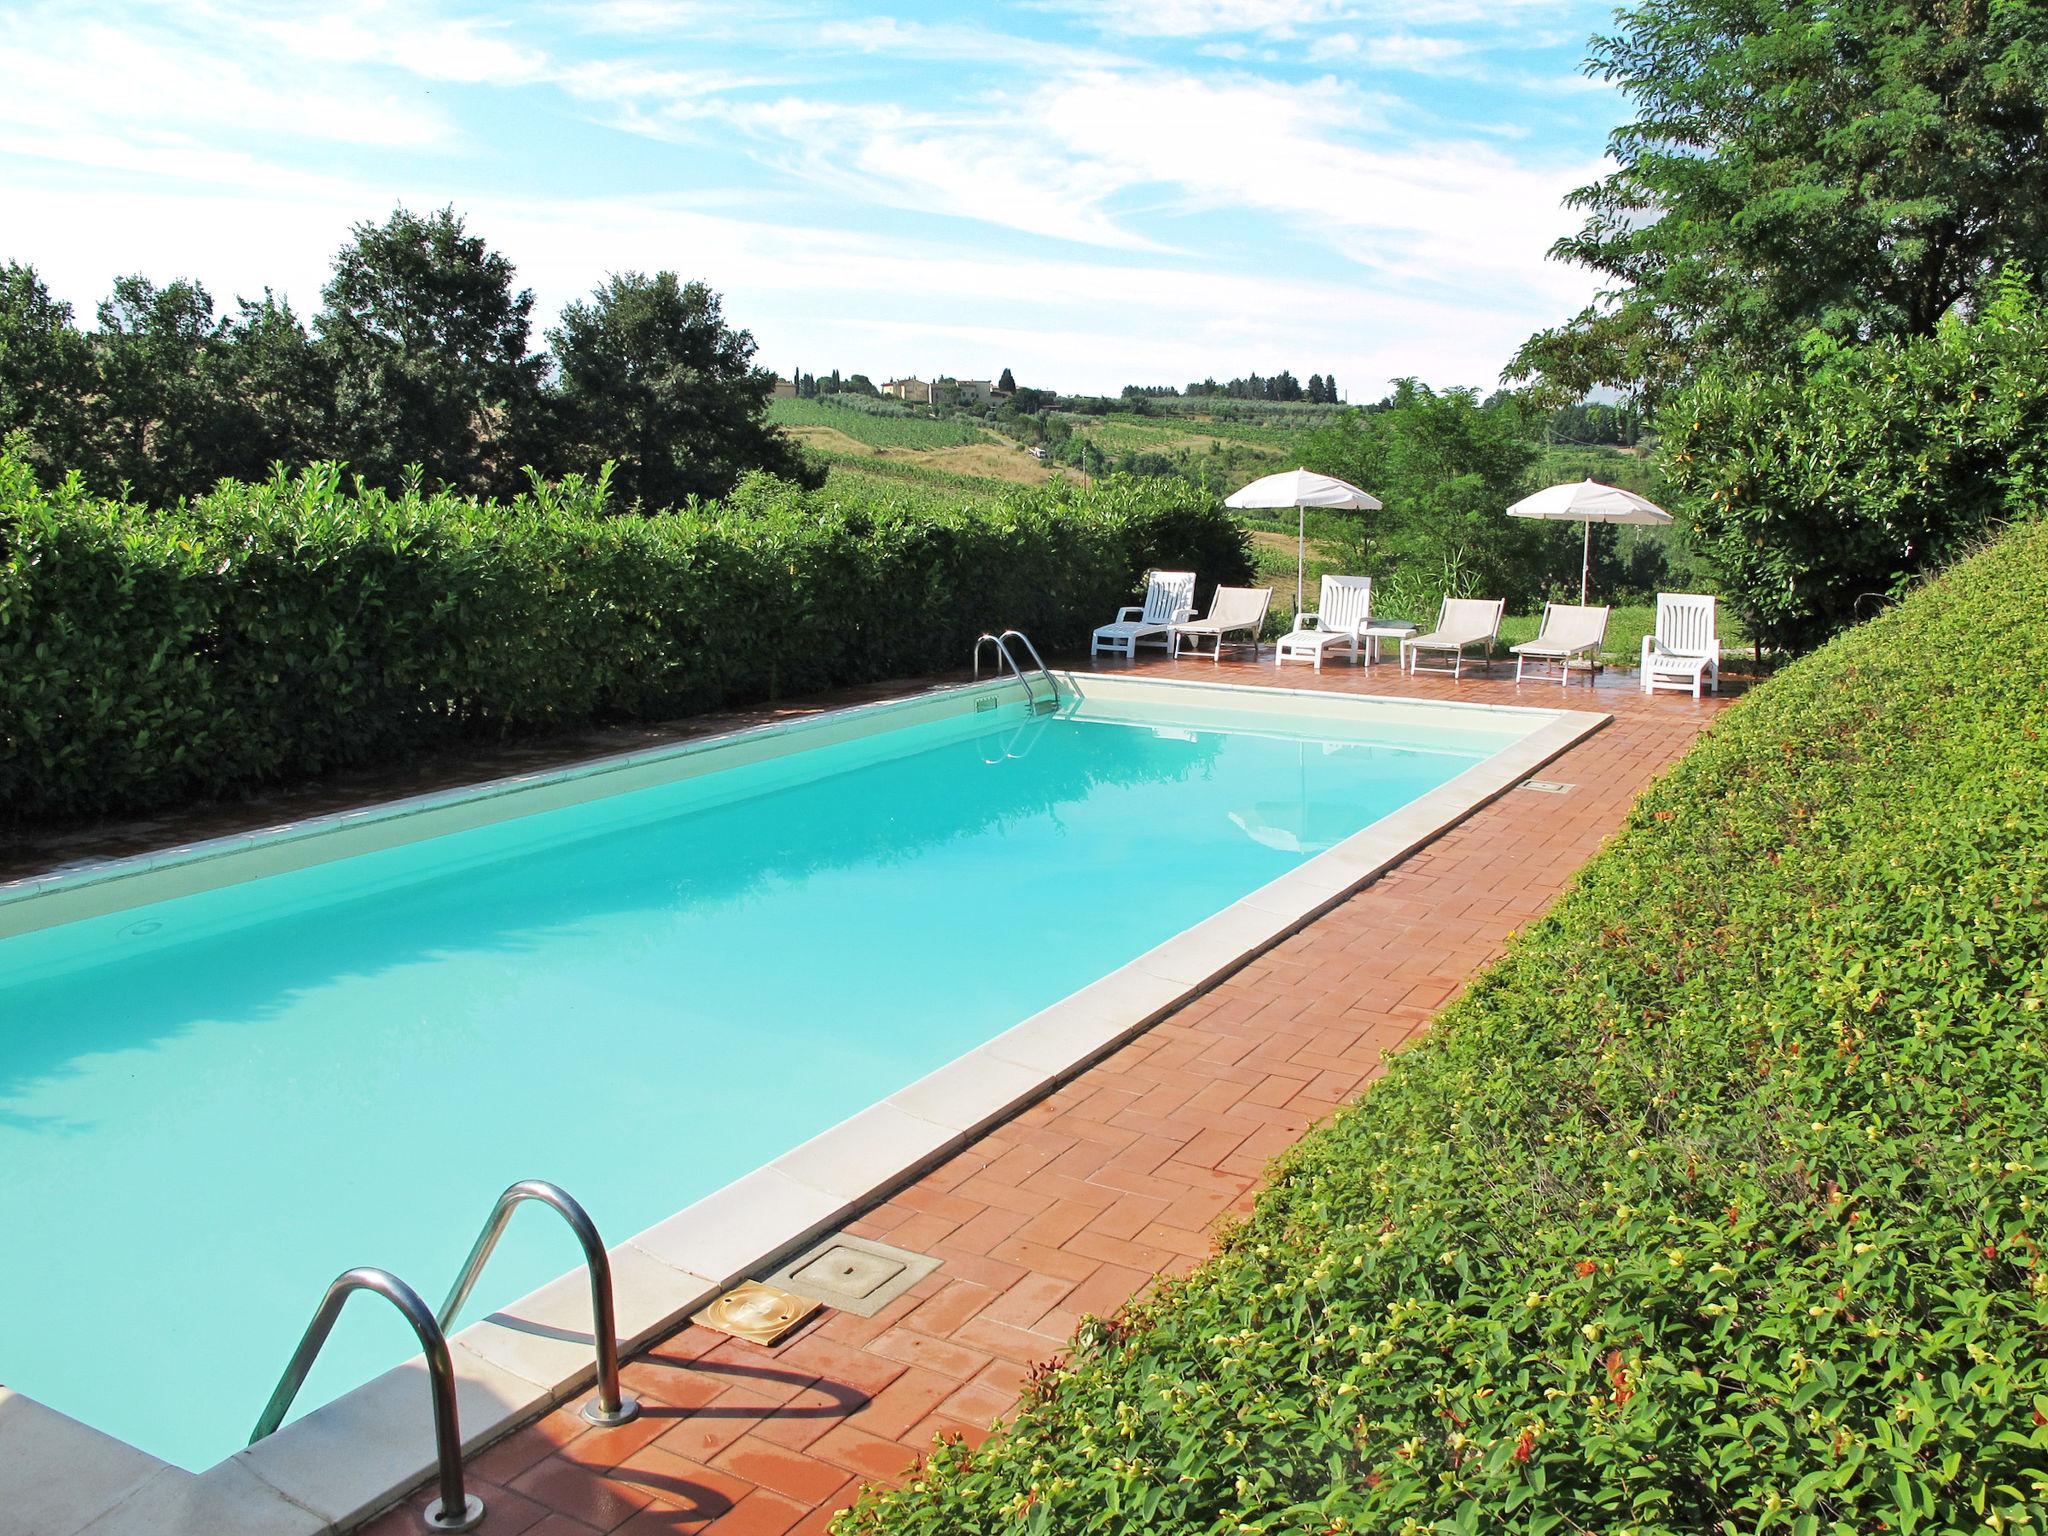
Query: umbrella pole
{"x": 1300, "y": 557}
{"x": 1585, "y": 562}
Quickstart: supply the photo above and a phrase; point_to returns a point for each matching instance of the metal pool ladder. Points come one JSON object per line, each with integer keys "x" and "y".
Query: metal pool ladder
{"x": 610, "y": 1407}
{"x": 457, "y": 1509}
{"x": 1006, "y": 658}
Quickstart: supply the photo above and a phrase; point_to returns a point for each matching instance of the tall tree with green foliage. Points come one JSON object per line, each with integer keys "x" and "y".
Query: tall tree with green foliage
{"x": 653, "y": 378}
{"x": 45, "y": 375}
{"x": 161, "y": 425}
{"x": 1446, "y": 466}
{"x": 1007, "y": 383}
{"x": 273, "y": 389}
{"x": 1861, "y": 168}
{"x": 427, "y": 341}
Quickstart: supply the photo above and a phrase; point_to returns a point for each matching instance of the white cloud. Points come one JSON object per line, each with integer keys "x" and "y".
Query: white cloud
{"x": 85, "y": 76}
{"x": 887, "y": 35}
{"x": 1200, "y": 18}
{"x": 1320, "y": 161}
{"x": 1290, "y": 18}
{"x": 1419, "y": 55}
{"x": 625, "y": 82}
{"x": 825, "y": 297}
{"x": 400, "y": 37}
{"x": 1330, "y": 166}
{"x": 1209, "y": 219}
{"x": 633, "y": 18}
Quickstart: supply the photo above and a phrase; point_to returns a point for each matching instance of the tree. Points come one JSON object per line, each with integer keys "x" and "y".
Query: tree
{"x": 160, "y": 426}
{"x": 45, "y": 375}
{"x": 274, "y": 390}
{"x": 1821, "y": 492}
{"x": 1007, "y": 383}
{"x": 1446, "y": 468}
{"x": 652, "y": 377}
{"x": 1859, "y": 168}
{"x": 428, "y": 346}
{"x": 1315, "y": 389}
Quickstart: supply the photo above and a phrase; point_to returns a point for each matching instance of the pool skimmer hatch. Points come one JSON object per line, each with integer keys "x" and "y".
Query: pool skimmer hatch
{"x": 853, "y": 1274}
{"x": 760, "y": 1314}
{"x": 1548, "y": 786}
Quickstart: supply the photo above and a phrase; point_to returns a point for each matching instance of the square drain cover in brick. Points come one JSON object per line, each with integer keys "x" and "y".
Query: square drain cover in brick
{"x": 848, "y": 1271}
{"x": 1548, "y": 786}
{"x": 853, "y": 1274}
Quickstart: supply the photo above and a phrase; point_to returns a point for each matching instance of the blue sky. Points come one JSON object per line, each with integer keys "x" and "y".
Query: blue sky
{"x": 1092, "y": 193}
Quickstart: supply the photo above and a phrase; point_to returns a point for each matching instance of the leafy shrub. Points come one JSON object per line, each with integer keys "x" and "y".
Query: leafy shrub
{"x": 272, "y": 631}
{"x": 1821, "y": 494}
{"x": 1711, "y": 1207}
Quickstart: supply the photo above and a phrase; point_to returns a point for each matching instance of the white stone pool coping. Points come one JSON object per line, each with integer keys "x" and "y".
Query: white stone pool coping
{"x": 355, "y": 1456}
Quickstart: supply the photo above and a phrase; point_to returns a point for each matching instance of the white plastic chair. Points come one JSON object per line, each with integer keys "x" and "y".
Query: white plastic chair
{"x": 1232, "y": 609}
{"x": 1169, "y": 600}
{"x": 1460, "y": 622}
{"x": 1685, "y": 651}
{"x": 1343, "y": 610}
{"x": 1567, "y": 630}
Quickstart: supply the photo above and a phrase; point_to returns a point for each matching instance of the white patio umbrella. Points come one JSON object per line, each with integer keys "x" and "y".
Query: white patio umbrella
{"x": 1300, "y": 489}
{"x": 1589, "y": 502}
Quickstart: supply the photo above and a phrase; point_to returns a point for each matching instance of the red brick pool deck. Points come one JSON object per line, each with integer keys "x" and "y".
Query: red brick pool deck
{"x": 1081, "y": 1200}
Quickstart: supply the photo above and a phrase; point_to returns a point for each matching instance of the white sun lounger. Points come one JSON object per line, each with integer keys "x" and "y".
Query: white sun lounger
{"x": 1460, "y": 622}
{"x": 1567, "y": 630}
{"x": 1231, "y": 610}
{"x": 1686, "y": 649}
{"x": 1169, "y": 600}
{"x": 1342, "y": 612}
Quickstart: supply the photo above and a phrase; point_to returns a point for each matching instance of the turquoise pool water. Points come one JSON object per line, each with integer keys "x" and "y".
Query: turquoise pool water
{"x": 212, "y": 1105}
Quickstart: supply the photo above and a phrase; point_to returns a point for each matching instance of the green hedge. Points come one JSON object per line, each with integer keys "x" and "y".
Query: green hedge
{"x": 269, "y": 632}
{"x": 1713, "y": 1206}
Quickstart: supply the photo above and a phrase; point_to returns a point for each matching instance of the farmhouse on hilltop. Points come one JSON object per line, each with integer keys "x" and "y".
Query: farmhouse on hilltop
{"x": 915, "y": 391}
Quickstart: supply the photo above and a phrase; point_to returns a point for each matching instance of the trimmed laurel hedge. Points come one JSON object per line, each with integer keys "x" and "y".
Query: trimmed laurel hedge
{"x": 1711, "y": 1207}
{"x": 269, "y": 632}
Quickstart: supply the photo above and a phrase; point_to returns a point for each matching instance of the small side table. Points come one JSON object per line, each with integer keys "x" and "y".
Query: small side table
{"x": 1377, "y": 630}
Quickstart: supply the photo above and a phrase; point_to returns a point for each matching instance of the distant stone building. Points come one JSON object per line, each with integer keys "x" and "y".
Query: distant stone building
{"x": 943, "y": 391}
{"x": 784, "y": 389}
{"x": 967, "y": 391}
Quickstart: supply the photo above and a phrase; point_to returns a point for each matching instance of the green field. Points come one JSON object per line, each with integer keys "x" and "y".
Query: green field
{"x": 876, "y": 429}
{"x": 1151, "y": 434}
{"x": 850, "y": 472}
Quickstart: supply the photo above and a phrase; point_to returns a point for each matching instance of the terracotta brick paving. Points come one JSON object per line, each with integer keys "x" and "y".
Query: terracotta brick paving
{"x": 1080, "y": 1201}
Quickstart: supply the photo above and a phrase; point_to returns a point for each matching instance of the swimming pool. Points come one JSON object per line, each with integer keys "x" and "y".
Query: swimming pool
{"x": 639, "y": 983}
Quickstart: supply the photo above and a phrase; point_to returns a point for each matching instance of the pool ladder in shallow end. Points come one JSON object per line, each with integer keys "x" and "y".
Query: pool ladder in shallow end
{"x": 1002, "y": 644}
{"x": 457, "y": 1509}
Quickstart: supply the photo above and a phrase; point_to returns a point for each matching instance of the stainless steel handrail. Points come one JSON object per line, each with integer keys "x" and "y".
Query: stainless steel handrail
{"x": 467, "y": 1509}
{"x": 1037, "y": 660}
{"x": 610, "y": 1407}
{"x": 1003, "y": 651}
